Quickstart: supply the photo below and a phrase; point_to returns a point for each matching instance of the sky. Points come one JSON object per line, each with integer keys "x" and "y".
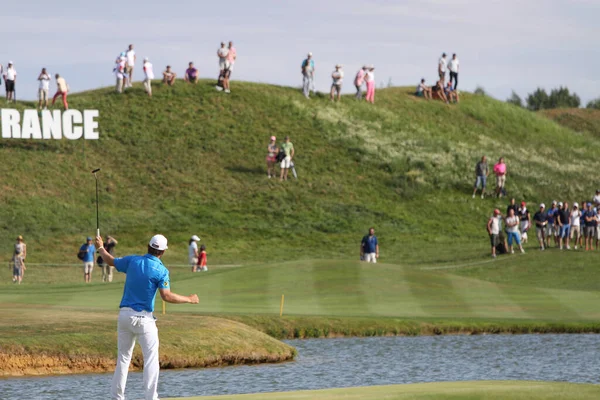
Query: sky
{"x": 502, "y": 45}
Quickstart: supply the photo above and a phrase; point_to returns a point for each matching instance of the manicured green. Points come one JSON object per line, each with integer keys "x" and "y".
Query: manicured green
{"x": 192, "y": 161}
{"x": 483, "y": 390}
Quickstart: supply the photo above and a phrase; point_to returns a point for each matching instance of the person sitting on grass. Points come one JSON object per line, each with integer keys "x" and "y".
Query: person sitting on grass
{"x": 437, "y": 91}
{"x": 423, "y": 90}
{"x": 169, "y": 76}
{"x": 451, "y": 94}
{"x": 191, "y": 74}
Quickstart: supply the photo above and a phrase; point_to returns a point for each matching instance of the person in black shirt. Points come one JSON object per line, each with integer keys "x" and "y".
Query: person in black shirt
{"x": 541, "y": 219}
{"x": 525, "y": 219}
{"x": 563, "y": 220}
{"x": 107, "y": 270}
{"x": 512, "y": 206}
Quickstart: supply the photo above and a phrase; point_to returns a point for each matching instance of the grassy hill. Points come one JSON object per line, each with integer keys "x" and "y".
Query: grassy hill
{"x": 191, "y": 161}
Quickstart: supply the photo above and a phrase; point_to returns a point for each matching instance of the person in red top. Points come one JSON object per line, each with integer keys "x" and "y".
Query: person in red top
{"x": 202, "y": 259}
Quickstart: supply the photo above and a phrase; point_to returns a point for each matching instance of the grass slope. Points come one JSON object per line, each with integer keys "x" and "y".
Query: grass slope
{"x": 191, "y": 160}
{"x": 495, "y": 390}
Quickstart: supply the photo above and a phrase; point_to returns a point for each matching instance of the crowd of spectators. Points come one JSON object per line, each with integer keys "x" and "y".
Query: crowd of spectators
{"x": 442, "y": 89}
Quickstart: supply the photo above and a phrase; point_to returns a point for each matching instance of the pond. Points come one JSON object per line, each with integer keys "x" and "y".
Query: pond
{"x": 328, "y": 363}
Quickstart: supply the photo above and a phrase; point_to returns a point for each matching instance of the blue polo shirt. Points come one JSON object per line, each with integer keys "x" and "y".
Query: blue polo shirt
{"x": 369, "y": 244}
{"x": 145, "y": 274}
{"x": 90, "y": 250}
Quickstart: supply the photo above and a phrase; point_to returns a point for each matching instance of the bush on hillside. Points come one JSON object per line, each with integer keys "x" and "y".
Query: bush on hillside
{"x": 515, "y": 99}
{"x": 595, "y": 104}
{"x": 558, "y": 98}
{"x": 480, "y": 91}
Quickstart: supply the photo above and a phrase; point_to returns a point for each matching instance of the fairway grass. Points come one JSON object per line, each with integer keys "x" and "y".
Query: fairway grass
{"x": 484, "y": 390}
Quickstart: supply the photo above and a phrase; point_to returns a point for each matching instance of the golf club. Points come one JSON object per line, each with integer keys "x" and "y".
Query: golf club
{"x": 97, "y": 206}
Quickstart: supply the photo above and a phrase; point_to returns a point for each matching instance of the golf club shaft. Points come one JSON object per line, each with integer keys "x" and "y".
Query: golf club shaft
{"x": 97, "y": 210}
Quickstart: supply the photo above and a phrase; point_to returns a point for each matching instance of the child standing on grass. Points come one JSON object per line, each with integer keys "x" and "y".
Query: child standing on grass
{"x": 18, "y": 260}
{"x": 202, "y": 259}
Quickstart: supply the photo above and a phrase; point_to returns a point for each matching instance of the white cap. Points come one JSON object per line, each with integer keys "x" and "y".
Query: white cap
{"x": 10, "y": 62}
{"x": 310, "y": 53}
{"x": 338, "y": 65}
{"x": 542, "y": 205}
{"x": 553, "y": 201}
{"x": 146, "y": 59}
{"x": 560, "y": 204}
{"x": 158, "y": 242}
{"x": 195, "y": 238}
{"x": 576, "y": 204}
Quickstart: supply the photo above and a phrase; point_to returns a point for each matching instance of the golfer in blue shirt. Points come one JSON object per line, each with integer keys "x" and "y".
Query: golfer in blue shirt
{"x": 145, "y": 274}
{"x": 369, "y": 247}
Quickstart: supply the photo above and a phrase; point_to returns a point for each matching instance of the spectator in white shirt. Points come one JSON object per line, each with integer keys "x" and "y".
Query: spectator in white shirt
{"x": 223, "y": 54}
{"x": 453, "y": 66}
{"x": 596, "y": 199}
{"x": 130, "y": 56}
{"x": 44, "y": 79}
{"x": 370, "y": 81}
{"x": 119, "y": 74}
{"x": 148, "y": 76}
{"x": 442, "y": 68}
{"x": 10, "y": 76}
{"x": 336, "y": 85}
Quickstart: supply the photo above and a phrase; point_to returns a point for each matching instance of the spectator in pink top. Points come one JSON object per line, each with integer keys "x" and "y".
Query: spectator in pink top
{"x": 231, "y": 57}
{"x": 500, "y": 171}
{"x": 359, "y": 80}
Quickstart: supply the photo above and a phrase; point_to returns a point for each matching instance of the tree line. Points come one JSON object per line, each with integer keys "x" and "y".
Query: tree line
{"x": 557, "y": 98}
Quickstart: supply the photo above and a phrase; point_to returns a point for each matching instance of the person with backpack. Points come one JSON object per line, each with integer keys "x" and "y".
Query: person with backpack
{"x": 86, "y": 254}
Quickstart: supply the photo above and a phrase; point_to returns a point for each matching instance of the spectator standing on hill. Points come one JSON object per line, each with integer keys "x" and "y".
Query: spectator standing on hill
{"x": 222, "y": 54}
{"x": 453, "y": 66}
{"x": 575, "y": 224}
{"x": 596, "y": 198}
{"x": 442, "y": 68}
{"x": 525, "y": 219}
{"x": 231, "y": 58}
{"x": 191, "y": 74}
{"x": 62, "y": 89}
{"x": 500, "y": 171}
{"x": 107, "y": 270}
{"x": 591, "y": 223}
{"x": 512, "y": 231}
{"x": 18, "y": 260}
{"x": 288, "y": 148}
{"x": 563, "y": 225}
{"x": 86, "y": 254}
{"x": 551, "y": 231}
{"x": 423, "y": 90}
{"x": 370, "y": 81}
{"x": 271, "y": 156}
{"x": 202, "y": 259}
{"x": 144, "y": 276}
{"x": 308, "y": 75}
{"x": 541, "y": 220}
{"x": 481, "y": 173}
{"x": 369, "y": 247}
{"x": 169, "y": 76}
{"x": 10, "y": 77}
{"x": 493, "y": 228}
{"x": 43, "y": 89}
{"x": 148, "y": 76}
{"x": 119, "y": 74}
{"x": 359, "y": 79}
{"x": 336, "y": 85}
{"x": 131, "y": 57}
{"x": 193, "y": 252}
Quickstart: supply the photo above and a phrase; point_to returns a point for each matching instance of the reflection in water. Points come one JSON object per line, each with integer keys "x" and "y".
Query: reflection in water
{"x": 327, "y": 363}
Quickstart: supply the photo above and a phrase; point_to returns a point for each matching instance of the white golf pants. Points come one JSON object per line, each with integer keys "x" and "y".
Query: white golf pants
{"x": 134, "y": 325}
{"x": 371, "y": 258}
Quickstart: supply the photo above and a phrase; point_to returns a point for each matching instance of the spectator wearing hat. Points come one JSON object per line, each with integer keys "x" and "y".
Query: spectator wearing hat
{"x": 525, "y": 221}
{"x": 551, "y": 228}
{"x": 10, "y": 77}
{"x": 500, "y": 171}
{"x": 336, "y": 85}
{"x": 453, "y": 66}
{"x": 493, "y": 228}
{"x": 591, "y": 225}
{"x": 512, "y": 231}
{"x": 86, "y": 254}
{"x": 442, "y": 68}
{"x": 575, "y": 217}
{"x": 541, "y": 220}
{"x": 62, "y": 89}
{"x": 18, "y": 260}
{"x": 191, "y": 74}
{"x": 308, "y": 75}
{"x": 286, "y": 163}
{"x": 44, "y": 88}
{"x": 563, "y": 221}
{"x": 193, "y": 252}
{"x": 370, "y": 81}
{"x": 148, "y": 76}
{"x": 120, "y": 66}
{"x": 271, "y": 156}
{"x": 424, "y": 91}
{"x": 169, "y": 76}
{"x": 359, "y": 80}
{"x": 596, "y": 198}
{"x": 481, "y": 173}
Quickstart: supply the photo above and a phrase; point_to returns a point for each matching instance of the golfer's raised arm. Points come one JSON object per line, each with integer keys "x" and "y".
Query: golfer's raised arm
{"x": 110, "y": 260}
{"x": 175, "y": 298}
